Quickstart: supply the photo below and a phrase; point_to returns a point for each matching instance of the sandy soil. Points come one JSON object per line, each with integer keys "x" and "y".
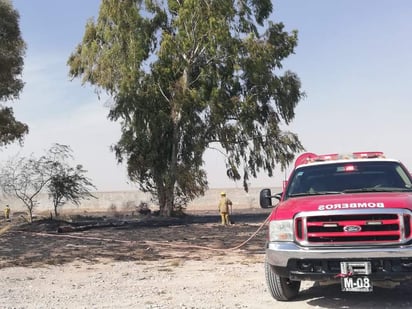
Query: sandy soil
{"x": 126, "y": 262}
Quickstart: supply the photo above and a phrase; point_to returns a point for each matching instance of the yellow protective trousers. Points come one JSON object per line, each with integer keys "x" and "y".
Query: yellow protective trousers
{"x": 225, "y": 218}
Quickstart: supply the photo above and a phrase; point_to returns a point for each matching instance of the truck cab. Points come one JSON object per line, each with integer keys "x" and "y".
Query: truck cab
{"x": 340, "y": 218}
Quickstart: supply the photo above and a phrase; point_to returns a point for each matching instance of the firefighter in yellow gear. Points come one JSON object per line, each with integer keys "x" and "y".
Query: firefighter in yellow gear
{"x": 224, "y": 204}
{"x": 7, "y": 212}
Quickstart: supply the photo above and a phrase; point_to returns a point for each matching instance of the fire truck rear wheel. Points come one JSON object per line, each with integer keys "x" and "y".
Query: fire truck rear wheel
{"x": 281, "y": 288}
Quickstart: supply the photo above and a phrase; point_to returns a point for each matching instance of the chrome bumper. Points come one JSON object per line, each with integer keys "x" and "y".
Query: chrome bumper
{"x": 279, "y": 253}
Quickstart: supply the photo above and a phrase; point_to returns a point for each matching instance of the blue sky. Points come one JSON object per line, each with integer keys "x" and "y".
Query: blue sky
{"x": 353, "y": 59}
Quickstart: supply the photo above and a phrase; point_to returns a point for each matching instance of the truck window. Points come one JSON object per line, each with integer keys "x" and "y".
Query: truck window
{"x": 338, "y": 177}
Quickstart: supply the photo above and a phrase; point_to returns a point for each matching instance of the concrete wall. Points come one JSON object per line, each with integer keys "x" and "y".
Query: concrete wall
{"x": 123, "y": 200}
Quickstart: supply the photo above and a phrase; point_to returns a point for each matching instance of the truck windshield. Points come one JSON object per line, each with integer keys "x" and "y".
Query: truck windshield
{"x": 339, "y": 178}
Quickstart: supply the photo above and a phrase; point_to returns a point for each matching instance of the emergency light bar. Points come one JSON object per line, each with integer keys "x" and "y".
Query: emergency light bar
{"x": 306, "y": 158}
{"x": 370, "y": 154}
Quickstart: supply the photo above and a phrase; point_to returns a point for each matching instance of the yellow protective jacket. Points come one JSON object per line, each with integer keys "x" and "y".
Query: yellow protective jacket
{"x": 224, "y": 204}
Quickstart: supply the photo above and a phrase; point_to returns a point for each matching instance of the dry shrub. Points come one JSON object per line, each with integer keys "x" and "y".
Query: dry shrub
{"x": 114, "y": 211}
{"x": 112, "y": 207}
{"x": 129, "y": 206}
{"x": 143, "y": 209}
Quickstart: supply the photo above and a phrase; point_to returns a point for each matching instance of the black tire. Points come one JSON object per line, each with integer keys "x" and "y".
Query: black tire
{"x": 281, "y": 288}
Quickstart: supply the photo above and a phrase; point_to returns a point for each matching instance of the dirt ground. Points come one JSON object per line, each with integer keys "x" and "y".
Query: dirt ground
{"x": 121, "y": 261}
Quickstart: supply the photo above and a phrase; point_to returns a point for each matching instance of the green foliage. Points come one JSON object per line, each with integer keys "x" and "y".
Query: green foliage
{"x": 10, "y": 128}
{"x": 12, "y": 50}
{"x": 69, "y": 185}
{"x": 187, "y": 76}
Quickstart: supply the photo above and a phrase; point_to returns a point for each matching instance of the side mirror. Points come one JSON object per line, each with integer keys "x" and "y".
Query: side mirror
{"x": 266, "y": 196}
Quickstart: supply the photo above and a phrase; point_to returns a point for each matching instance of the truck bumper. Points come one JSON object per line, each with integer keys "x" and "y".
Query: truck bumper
{"x": 299, "y": 263}
{"x": 279, "y": 253}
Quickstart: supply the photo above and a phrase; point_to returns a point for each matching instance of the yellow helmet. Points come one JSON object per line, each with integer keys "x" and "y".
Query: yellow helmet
{"x": 222, "y": 193}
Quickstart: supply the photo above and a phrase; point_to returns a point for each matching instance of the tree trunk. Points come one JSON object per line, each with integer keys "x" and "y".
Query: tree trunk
{"x": 168, "y": 208}
{"x": 167, "y": 191}
{"x": 166, "y": 200}
{"x": 166, "y": 194}
{"x": 30, "y": 209}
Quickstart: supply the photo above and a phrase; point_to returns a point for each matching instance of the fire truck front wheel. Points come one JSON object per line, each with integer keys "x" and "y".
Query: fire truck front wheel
{"x": 281, "y": 288}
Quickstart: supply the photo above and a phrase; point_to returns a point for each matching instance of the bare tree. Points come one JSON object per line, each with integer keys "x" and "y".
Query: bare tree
{"x": 25, "y": 178}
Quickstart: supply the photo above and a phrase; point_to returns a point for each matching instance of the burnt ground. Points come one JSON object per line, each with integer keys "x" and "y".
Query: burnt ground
{"x": 122, "y": 237}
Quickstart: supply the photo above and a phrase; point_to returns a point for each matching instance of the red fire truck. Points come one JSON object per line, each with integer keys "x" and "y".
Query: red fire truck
{"x": 343, "y": 218}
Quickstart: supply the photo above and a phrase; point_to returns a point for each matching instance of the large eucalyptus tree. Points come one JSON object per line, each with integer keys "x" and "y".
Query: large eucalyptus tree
{"x": 186, "y": 75}
{"x": 12, "y": 51}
